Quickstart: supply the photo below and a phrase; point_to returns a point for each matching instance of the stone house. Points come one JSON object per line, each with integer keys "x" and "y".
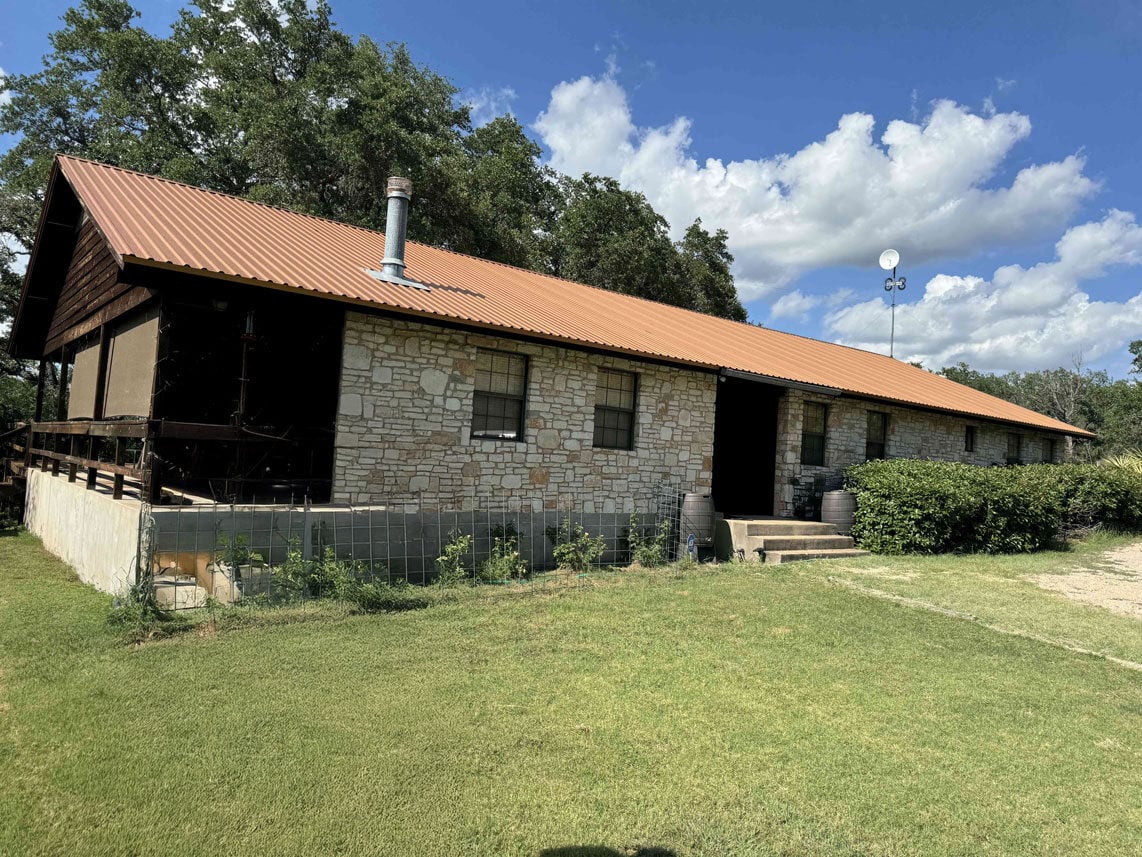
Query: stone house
{"x": 238, "y": 351}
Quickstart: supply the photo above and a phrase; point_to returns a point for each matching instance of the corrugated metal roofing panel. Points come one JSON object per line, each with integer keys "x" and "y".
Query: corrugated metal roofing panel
{"x": 157, "y": 221}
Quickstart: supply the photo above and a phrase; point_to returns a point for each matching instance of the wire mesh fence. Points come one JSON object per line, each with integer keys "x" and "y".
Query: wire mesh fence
{"x": 200, "y": 554}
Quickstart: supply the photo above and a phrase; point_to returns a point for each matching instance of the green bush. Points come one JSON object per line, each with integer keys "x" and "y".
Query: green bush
{"x": 504, "y": 562}
{"x": 389, "y": 597}
{"x": 297, "y": 578}
{"x": 454, "y": 565}
{"x": 649, "y": 549}
{"x": 138, "y": 615}
{"x": 907, "y": 506}
{"x": 575, "y": 548}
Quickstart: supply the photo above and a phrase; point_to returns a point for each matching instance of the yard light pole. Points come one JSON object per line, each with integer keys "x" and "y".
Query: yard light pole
{"x": 889, "y": 259}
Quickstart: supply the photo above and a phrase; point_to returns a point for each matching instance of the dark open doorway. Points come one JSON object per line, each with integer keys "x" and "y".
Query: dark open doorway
{"x": 745, "y": 447}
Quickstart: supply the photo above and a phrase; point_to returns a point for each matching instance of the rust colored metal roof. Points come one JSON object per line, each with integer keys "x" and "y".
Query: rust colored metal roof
{"x": 154, "y": 221}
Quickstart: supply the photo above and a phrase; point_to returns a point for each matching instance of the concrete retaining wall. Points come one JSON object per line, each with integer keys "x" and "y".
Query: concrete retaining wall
{"x": 96, "y": 535}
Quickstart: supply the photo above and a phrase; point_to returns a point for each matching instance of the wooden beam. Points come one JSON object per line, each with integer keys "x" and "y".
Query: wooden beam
{"x": 120, "y": 450}
{"x": 197, "y": 431}
{"x": 93, "y": 465}
{"x": 61, "y": 395}
{"x": 120, "y": 306}
{"x": 40, "y": 389}
{"x": 101, "y": 373}
{"x": 125, "y": 428}
{"x": 109, "y": 428}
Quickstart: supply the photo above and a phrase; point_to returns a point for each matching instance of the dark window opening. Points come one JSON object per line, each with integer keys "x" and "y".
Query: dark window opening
{"x": 876, "y": 439}
{"x": 969, "y": 439}
{"x": 1048, "y": 450}
{"x": 813, "y": 434}
{"x": 615, "y": 396}
{"x": 1014, "y": 448}
{"x": 498, "y": 401}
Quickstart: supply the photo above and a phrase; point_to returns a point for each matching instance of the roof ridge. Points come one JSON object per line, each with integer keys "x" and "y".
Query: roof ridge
{"x": 532, "y": 288}
{"x": 545, "y": 274}
{"x": 164, "y": 179}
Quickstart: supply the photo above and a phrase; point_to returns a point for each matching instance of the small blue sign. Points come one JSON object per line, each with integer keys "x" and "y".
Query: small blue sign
{"x": 691, "y": 544}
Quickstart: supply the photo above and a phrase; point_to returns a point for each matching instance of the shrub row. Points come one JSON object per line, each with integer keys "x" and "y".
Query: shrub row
{"x": 907, "y": 506}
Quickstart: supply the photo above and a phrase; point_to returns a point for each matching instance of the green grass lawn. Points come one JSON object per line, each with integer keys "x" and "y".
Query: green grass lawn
{"x": 731, "y": 711}
{"x": 998, "y": 591}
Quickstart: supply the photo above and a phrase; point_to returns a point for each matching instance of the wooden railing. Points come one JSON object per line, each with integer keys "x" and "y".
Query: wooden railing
{"x": 80, "y": 444}
{"x": 122, "y": 449}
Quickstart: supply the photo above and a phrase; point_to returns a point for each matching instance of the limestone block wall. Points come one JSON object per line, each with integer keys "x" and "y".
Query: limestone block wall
{"x": 911, "y": 434}
{"x": 405, "y": 415}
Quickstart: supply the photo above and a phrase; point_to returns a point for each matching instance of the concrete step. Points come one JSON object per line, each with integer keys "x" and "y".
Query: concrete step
{"x": 801, "y": 543}
{"x": 777, "y": 557}
{"x": 788, "y": 527}
{"x": 179, "y": 592}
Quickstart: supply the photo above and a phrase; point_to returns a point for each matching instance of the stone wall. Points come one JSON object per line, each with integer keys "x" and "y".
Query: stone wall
{"x": 405, "y": 413}
{"x": 911, "y": 434}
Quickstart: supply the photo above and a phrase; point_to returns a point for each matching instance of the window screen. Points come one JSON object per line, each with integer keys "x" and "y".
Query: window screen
{"x": 615, "y": 396}
{"x": 876, "y": 438}
{"x": 1014, "y": 448}
{"x": 501, "y": 388}
{"x": 85, "y": 370}
{"x": 969, "y": 439}
{"x": 131, "y": 367}
{"x": 813, "y": 434}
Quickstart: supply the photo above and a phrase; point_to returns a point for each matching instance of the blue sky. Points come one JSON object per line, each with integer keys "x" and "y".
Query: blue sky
{"x": 994, "y": 144}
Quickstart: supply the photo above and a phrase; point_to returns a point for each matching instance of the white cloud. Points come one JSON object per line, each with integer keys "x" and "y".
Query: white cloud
{"x": 923, "y": 187}
{"x": 5, "y": 95}
{"x": 794, "y": 305}
{"x": 1022, "y": 318}
{"x": 1003, "y": 84}
{"x": 487, "y": 103}
{"x": 840, "y": 296}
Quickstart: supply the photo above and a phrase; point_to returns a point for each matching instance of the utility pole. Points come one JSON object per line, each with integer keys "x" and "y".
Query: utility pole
{"x": 889, "y": 259}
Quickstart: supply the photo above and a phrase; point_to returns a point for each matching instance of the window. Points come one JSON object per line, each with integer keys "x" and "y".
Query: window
{"x": 813, "y": 434}
{"x": 501, "y": 387}
{"x": 1048, "y": 450}
{"x": 1014, "y": 448}
{"x": 876, "y": 438}
{"x": 969, "y": 439}
{"x": 615, "y": 396}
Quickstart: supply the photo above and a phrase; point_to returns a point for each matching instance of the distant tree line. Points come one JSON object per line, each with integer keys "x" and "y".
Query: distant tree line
{"x": 1112, "y": 408}
{"x": 269, "y": 100}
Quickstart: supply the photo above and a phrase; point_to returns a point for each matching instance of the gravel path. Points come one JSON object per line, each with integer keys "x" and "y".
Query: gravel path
{"x": 1117, "y": 588}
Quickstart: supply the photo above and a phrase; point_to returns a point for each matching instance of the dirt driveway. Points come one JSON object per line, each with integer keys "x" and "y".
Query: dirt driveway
{"x": 1117, "y": 586}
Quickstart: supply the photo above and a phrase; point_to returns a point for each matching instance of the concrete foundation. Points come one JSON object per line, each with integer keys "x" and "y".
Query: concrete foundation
{"x": 95, "y": 534}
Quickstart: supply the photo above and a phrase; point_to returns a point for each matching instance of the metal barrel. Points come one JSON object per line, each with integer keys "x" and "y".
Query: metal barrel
{"x": 838, "y": 508}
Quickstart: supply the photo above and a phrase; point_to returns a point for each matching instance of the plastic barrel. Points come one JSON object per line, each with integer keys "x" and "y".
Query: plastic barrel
{"x": 697, "y": 518}
{"x": 837, "y": 508}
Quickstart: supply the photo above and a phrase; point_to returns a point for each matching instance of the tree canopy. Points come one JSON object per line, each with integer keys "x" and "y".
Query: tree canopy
{"x": 1076, "y": 395}
{"x": 269, "y": 100}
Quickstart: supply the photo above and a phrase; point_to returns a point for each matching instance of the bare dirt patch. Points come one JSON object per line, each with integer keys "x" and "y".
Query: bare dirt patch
{"x": 1116, "y": 587}
{"x": 883, "y": 571}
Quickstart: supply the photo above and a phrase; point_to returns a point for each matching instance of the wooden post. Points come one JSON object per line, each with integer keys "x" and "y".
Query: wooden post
{"x": 92, "y": 472}
{"x": 40, "y": 390}
{"x": 61, "y": 398}
{"x": 72, "y": 467}
{"x": 101, "y": 374}
{"x": 120, "y": 449}
{"x": 152, "y": 484}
